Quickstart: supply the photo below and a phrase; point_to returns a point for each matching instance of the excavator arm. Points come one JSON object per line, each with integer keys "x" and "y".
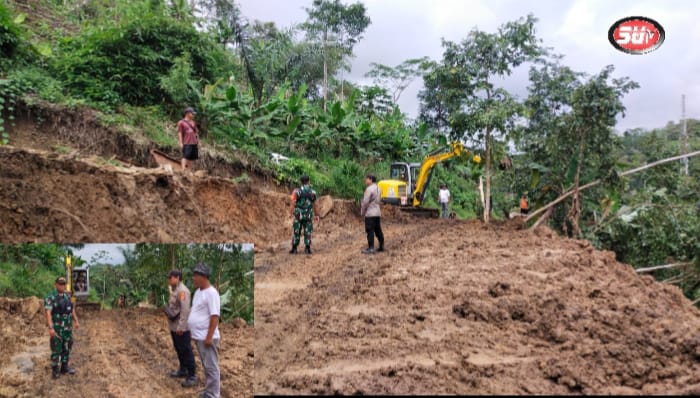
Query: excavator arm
{"x": 426, "y": 169}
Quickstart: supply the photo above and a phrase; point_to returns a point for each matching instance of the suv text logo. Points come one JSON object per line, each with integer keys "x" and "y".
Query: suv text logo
{"x": 636, "y": 35}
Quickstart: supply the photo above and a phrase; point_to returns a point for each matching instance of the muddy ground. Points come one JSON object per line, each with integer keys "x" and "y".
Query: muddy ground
{"x": 460, "y": 307}
{"x": 125, "y": 353}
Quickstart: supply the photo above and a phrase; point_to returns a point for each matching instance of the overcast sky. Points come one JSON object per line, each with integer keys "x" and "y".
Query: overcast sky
{"x": 577, "y": 29}
{"x": 114, "y": 254}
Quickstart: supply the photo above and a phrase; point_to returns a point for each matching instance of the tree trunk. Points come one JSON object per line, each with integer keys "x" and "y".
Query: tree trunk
{"x": 487, "y": 173}
{"x": 574, "y": 214}
{"x": 481, "y": 191}
{"x": 218, "y": 279}
{"x": 325, "y": 70}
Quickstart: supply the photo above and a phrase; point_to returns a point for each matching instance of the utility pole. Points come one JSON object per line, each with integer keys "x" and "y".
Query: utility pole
{"x": 684, "y": 137}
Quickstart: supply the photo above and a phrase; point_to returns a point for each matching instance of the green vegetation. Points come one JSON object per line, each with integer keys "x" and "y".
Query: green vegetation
{"x": 31, "y": 269}
{"x": 260, "y": 88}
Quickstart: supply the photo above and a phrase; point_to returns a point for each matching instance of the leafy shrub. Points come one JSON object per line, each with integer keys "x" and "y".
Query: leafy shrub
{"x": 34, "y": 79}
{"x": 347, "y": 179}
{"x": 178, "y": 83}
{"x": 9, "y": 92}
{"x": 9, "y": 33}
{"x": 127, "y": 62}
{"x": 290, "y": 171}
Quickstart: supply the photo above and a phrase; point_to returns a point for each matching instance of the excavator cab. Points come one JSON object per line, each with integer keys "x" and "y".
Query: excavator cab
{"x": 78, "y": 280}
{"x": 408, "y": 182}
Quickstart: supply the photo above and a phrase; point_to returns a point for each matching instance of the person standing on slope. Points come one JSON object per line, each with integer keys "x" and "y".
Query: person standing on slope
{"x": 371, "y": 211}
{"x": 303, "y": 208}
{"x": 187, "y": 137}
{"x": 524, "y": 209}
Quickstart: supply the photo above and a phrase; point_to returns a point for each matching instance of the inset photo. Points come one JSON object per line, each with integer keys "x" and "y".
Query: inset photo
{"x": 127, "y": 320}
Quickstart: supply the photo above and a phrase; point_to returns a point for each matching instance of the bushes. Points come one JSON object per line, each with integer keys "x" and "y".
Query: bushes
{"x": 9, "y": 33}
{"x": 126, "y": 63}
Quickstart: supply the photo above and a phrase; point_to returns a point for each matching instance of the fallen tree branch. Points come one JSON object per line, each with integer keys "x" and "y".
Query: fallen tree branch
{"x": 596, "y": 182}
{"x": 544, "y": 217}
{"x": 654, "y": 268}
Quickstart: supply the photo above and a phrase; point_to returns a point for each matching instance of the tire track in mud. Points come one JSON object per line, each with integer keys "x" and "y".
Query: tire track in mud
{"x": 285, "y": 278}
{"x": 108, "y": 364}
{"x": 116, "y": 353}
{"x": 459, "y": 307}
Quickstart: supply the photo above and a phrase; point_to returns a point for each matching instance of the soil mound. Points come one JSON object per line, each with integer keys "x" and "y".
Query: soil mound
{"x": 460, "y": 307}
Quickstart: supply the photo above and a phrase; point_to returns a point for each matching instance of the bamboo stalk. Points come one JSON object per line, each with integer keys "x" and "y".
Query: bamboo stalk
{"x": 677, "y": 278}
{"x": 596, "y": 182}
{"x": 654, "y": 268}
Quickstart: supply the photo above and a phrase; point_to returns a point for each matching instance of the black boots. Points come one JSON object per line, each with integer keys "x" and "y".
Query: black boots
{"x": 67, "y": 369}
{"x": 190, "y": 381}
{"x": 178, "y": 373}
{"x": 307, "y": 250}
{"x": 55, "y": 372}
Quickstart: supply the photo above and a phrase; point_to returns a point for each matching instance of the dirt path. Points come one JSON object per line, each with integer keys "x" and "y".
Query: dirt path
{"x": 457, "y": 307}
{"x": 118, "y": 354}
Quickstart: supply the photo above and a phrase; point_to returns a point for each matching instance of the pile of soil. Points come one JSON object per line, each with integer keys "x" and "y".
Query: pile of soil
{"x": 460, "y": 307}
{"x": 120, "y": 353}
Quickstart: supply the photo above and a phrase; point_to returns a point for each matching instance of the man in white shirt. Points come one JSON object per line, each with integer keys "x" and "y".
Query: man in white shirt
{"x": 203, "y": 323}
{"x": 444, "y": 199}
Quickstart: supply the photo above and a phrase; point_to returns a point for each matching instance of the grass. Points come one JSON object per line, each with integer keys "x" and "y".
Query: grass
{"x": 242, "y": 179}
{"x": 62, "y": 149}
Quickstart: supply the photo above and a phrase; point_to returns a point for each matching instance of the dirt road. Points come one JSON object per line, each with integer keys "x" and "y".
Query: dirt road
{"x": 116, "y": 354}
{"x": 458, "y": 307}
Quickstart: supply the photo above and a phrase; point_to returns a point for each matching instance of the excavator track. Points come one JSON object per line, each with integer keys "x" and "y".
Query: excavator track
{"x": 422, "y": 212}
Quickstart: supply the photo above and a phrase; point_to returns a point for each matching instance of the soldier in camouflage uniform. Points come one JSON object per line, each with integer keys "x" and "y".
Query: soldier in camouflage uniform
{"x": 60, "y": 315}
{"x": 303, "y": 209}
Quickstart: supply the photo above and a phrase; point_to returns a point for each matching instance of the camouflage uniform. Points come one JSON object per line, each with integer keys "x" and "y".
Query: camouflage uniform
{"x": 61, "y": 309}
{"x": 303, "y": 214}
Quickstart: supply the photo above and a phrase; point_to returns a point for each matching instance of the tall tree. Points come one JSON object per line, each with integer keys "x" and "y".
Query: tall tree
{"x": 397, "y": 78}
{"x": 570, "y": 127}
{"x": 471, "y": 104}
{"x": 339, "y": 27}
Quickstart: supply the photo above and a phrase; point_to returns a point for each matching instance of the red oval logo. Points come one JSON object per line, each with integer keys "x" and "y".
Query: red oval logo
{"x": 636, "y": 35}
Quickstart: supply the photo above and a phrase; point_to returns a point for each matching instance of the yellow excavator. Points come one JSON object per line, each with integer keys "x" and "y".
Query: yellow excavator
{"x": 78, "y": 283}
{"x": 409, "y": 181}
